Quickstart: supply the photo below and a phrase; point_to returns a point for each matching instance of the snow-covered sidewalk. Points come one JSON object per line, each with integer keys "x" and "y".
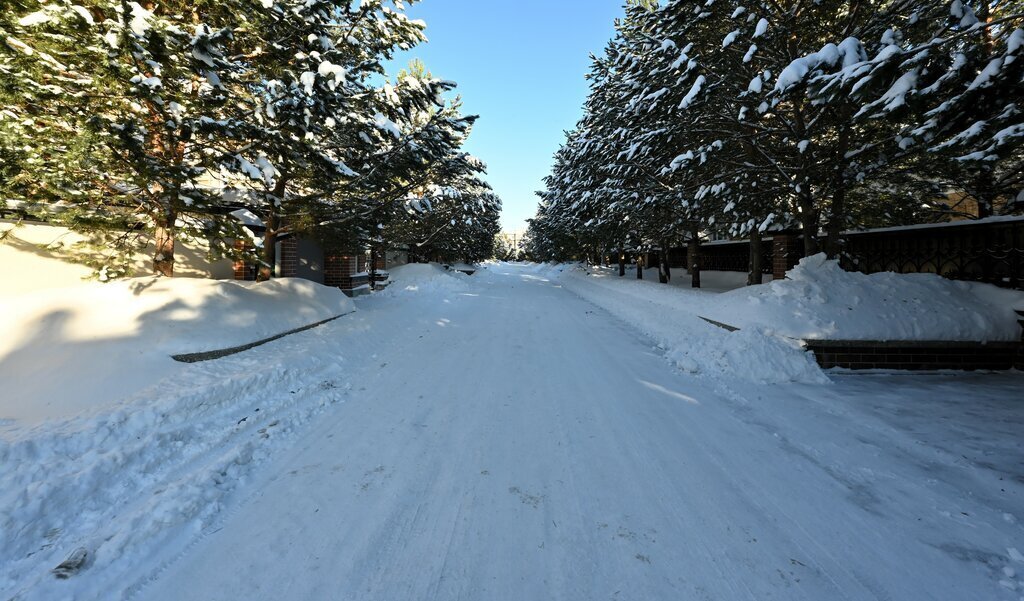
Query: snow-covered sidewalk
{"x": 498, "y": 437}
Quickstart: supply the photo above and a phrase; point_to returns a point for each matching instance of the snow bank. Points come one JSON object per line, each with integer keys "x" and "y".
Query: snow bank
{"x": 819, "y": 300}
{"x": 463, "y": 267}
{"x": 549, "y": 270}
{"x": 666, "y": 314}
{"x": 425, "y": 277}
{"x": 109, "y": 445}
{"x": 64, "y": 351}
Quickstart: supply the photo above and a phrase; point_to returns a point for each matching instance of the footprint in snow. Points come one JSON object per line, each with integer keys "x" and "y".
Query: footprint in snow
{"x": 527, "y": 498}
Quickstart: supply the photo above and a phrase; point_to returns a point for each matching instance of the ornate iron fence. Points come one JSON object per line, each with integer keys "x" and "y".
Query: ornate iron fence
{"x": 989, "y": 251}
{"x": 734, "y": 256}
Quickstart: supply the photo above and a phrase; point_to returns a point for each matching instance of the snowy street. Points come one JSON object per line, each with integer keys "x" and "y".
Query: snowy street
{"x": 679, "y": 300}
{"x": 516, "y": 442}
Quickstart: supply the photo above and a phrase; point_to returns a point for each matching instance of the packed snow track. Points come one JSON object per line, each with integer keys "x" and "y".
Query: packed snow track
{"x": 505, "y": 439}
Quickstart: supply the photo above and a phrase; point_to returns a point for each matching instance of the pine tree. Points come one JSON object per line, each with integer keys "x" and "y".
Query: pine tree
{"x": 145, "y": 89}
{"x": 943, "y": 81}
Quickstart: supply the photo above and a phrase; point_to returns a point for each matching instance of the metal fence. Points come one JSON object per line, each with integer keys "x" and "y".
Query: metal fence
{"x": 989, "y": 251}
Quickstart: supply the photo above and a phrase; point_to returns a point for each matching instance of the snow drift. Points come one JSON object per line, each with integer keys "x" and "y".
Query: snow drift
{"x": 819, "y": 300}
{"x": 97, "y": 422}
{"x": 67, "y": 350}
{"x": 669, "y": 316}
{"x": 426, "y": 277}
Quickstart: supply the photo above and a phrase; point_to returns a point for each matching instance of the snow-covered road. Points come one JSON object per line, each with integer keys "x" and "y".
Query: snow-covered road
{"x": 515, "y": 442}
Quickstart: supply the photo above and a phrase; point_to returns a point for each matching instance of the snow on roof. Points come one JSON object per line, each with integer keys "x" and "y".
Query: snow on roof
{"x": 924, "y": 226}
{"x": 247, "y": 217}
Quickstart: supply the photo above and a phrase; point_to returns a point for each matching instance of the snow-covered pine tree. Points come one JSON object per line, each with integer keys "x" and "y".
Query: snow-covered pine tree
{"x": 460, "y": 224}
{"x": 311, "y": 66}
{"x": 637, "y": 207}
{"x": 944, "y": 79}
{"x": 415, "y": 157}
{"x": 677, "y": 137}
{"x": 144, "y": 88}
{"x": 737, "y": 141}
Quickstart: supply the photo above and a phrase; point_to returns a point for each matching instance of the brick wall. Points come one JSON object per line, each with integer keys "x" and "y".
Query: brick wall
{"x": 338, "y": 269}
{"x": 914, "y": 355}
{"x": 340, "y": 272}
{"x": 787, "y": 250}
{"x": 288, "y": 259}
{"x": 244, "y": 270}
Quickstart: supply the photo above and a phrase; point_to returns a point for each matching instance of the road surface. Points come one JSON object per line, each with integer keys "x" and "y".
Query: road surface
{"x": 517, "y": 443}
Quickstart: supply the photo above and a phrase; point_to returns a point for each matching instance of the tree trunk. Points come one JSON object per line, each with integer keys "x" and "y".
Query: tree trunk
{"x": 754, "y": 274}
{"x": 269, "y": 254}
{"x": 640, "y": 267}
{"x": 693, "y": 257}
{"x": 984, "y": 192}
{"x": 372, "y": 270}
{"x": 163, "y": 238}
{"x": 985, "y": 207}
{"x": 836, "y": 220}
{"x": 664, "y": 275}
{"x": 808, "y": 214}
{"x": 622, "y": 262}
{"x": 837, "y": 213}
{"x": 273, "y": 225}
{"x": 809, "y": 224}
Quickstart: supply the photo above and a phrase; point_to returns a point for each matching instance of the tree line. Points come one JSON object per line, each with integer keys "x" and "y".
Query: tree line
{"x": 147, "y": 123}
{"x": 728, "y": 118}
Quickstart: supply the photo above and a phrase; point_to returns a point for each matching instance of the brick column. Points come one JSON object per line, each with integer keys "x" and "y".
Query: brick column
{"x": 289, "y": 258}
{"x": 786, "y": 253}
{"x": 244, "y": 271}
{"x": 338, "y": 270}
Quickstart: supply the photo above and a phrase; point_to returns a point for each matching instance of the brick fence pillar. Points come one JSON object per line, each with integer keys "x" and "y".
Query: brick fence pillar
{"x": 786, "y": 253}
{"x": 338, "y": 271}
{"x": 334, "y": 270}
{"x": 243, "y": 270}
{"x": 289, "y": 258}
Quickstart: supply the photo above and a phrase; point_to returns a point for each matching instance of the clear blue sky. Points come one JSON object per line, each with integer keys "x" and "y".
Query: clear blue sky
{"x": 520, "y": 66}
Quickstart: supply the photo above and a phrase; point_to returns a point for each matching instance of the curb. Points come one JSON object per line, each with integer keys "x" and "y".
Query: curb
{"x": 234, "y": 350}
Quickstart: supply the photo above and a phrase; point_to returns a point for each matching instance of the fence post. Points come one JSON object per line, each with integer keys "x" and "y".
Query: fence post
{"x": 785, "y": 253}
{"x": 243, "y": 270}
